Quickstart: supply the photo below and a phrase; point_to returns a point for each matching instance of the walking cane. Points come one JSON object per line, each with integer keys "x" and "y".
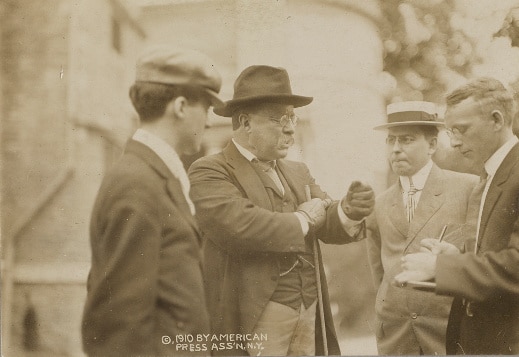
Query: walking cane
{"x": 318, "y": 281}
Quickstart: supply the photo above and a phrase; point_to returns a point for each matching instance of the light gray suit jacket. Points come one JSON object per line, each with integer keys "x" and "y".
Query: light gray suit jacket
{"x": 412, "y": 321}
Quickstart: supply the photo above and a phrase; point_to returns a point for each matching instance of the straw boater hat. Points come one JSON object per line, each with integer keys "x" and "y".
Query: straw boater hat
{"x": 257, "y": 84}
{"x": 411, "y": 113}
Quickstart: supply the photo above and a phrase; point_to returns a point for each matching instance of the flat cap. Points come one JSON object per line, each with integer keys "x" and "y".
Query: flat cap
{"x": 176, "y": 66}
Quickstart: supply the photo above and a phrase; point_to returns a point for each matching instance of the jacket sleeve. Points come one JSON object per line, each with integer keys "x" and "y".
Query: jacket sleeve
{"x": 124, "y": 290}
{"x": 374, "y": 244}
{"x": 234, "y": 222}
{"x": 494, "y": 271}
{"x": 481, "y": 277}
{"x": 144, "y": 250}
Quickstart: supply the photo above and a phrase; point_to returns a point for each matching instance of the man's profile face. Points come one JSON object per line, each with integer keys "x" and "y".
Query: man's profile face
{"x": 268, "y": 139}
{"x": 471, "y": 132}
{"x": 193, "y": 127}
{"x": 408, "y": 149}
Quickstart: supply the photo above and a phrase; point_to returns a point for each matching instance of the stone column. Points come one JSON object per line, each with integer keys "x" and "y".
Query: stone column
{"x": 332, "y": 52}
{"x": 260, "y": 33}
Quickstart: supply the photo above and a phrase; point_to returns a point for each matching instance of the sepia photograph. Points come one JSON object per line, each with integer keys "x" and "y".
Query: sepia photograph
{"x": 259, "y": 177}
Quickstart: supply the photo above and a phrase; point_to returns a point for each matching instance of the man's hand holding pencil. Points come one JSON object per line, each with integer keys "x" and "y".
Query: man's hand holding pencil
{"x": 422, "y": 266}
{"x": 437, "y": 245}
{"x": 432, "y": 245}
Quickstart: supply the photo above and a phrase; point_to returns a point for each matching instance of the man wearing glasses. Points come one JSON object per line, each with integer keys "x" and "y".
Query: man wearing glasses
{"x": 485, "y": 278}
{"x": 416, "y": 206}
{"x": 259, "y": 226}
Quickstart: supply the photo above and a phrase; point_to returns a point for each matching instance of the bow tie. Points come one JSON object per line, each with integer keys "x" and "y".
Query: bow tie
{"x": 265, "y": 165}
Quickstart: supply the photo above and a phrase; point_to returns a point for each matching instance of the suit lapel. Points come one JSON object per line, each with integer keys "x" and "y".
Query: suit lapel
{"x": 397, "y": 210}
{"x": 174, "y": 189}
{"x": 247, "y": 177}
{"x": 430, "y": 202}
{"x": 294, "y": 180}
{"x": 495, "y": 191}
{"x": 177, "y": 196}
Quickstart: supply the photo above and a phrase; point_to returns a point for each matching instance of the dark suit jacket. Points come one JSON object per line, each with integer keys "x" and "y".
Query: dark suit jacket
{"x": 243, "y": 238}
{"x": 146, "y": 278}
{"x": 490, "y": 278}
{"x": 409, "y": 320}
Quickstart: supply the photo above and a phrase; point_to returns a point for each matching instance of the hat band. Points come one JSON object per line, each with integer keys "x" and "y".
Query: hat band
{"x": 410, "y": 116}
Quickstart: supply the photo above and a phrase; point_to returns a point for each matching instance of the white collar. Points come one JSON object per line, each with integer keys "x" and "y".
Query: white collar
{"x": 492, "y": 164}
{"x": 170, "y": 158}
{"x": 419, "y": 178}
{"x": 246, "y": 153}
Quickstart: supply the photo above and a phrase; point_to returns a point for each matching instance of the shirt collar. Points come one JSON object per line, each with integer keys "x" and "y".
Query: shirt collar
{"x": 246, "y": 153}
{"x": 492, "y": 164}
{"x": 419, "y": 178}
{"x": 166, "y": 153}
{"x": 161, "y": 148}
{"x": 170, "y": 157}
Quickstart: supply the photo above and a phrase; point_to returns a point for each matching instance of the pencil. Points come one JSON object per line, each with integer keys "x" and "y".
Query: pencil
{"x": 442, "y": 234}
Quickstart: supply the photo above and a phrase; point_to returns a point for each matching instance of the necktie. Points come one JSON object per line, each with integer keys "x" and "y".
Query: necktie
{"x": 269, "y": 168}
{"x": 474, "y": 206}
{"x": 265, "y": 165}
{"x": 411, "y": 200}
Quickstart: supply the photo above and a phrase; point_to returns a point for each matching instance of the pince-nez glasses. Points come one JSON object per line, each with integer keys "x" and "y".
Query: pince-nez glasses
{"x": 286, "y": 118}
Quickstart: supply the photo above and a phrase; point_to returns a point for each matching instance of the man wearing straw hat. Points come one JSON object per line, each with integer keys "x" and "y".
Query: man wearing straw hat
{"x": 484, "y": 279}
{"x": 259, "y": 223}
{"x": 416, "y": 206}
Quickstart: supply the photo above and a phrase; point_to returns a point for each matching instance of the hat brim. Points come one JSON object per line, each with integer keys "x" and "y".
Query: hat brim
{"x": 409, "y": 123}
{"x": 213, "y": 97}
{"x": 228, "y": 108}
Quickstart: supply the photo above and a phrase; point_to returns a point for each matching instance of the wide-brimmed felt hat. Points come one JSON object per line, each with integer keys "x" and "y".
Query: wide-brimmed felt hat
{"x": 261, "y": 84}
{"x": 411, "y": 113}
{"x": 180, "y": 66}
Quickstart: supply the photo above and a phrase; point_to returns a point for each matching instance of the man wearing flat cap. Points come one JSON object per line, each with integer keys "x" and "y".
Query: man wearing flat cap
{"x": 259, "y": 225}
{"x": 418, "y": 205}
{"x": 145, "y": 285}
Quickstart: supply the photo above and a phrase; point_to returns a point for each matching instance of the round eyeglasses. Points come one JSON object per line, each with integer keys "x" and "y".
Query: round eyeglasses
{"x": 285, "y": 119}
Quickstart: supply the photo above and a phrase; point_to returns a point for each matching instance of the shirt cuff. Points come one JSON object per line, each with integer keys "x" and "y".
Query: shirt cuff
{"x": 304, "y": 223}
{"x": 350, "y": 226}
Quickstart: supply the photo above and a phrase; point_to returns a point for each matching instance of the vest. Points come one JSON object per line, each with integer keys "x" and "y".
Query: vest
{"x": 296, "y": 283}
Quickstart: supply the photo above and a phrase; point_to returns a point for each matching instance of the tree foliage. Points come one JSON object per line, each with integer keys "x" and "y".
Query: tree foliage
{"x": 422, "y": 49}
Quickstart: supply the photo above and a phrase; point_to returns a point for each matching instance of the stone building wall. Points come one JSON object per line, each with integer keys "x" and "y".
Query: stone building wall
{"x": 65, "y": 68}
{"x": 332, "y": 51}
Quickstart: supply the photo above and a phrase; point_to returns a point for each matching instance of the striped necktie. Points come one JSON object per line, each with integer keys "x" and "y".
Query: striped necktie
{"x": 411, "y": 200}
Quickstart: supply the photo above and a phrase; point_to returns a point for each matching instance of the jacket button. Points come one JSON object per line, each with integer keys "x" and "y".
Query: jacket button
{"x": 414, "y": 315}
{"x": 180, "y": 325}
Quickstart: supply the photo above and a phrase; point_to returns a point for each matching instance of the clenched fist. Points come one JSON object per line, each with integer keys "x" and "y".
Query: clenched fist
{"x": 359, "y": 201}
{"x": 315, "y": 211}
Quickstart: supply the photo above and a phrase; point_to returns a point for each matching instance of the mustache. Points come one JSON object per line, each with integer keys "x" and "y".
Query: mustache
{"x": 287, "y": 140}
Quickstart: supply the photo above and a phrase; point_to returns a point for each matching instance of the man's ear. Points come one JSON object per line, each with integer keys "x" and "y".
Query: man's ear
{"x": 244, "y": 122}
{"x": 433, "y": 145}
{"x": 176, "y": 107}
{"x": 498, "y": 118}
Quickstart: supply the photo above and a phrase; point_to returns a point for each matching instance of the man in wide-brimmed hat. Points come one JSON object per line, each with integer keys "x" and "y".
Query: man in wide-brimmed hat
{"x": 259, "y": 227}
{"x": 418, "y": 205}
